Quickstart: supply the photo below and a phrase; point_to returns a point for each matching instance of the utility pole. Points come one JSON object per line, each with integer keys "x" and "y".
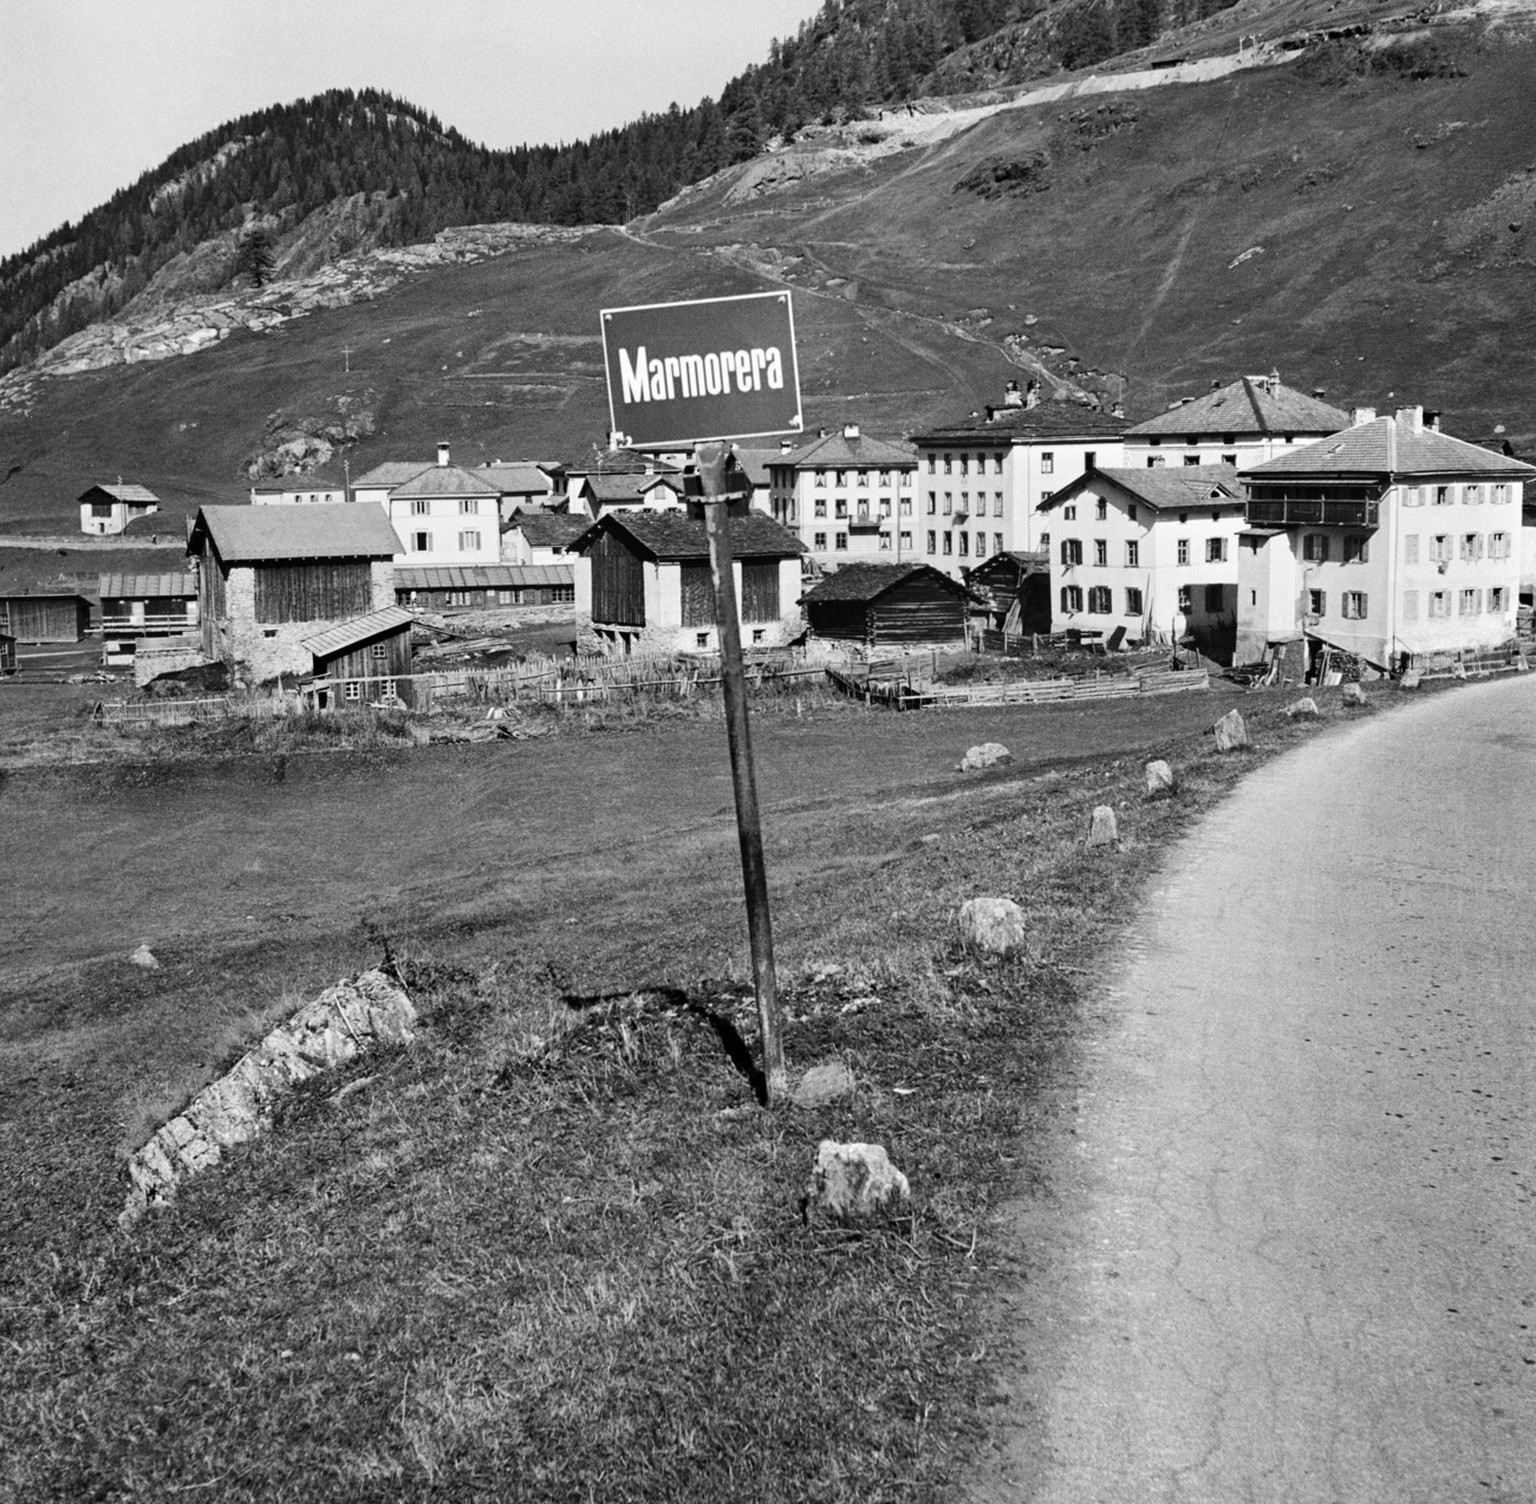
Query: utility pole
{"x": 711, "y": 460}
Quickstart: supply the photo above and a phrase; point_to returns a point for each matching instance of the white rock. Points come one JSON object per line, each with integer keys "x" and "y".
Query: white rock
{"x": 987, "y": 755}
{"x": 145, "y": 957}
{"x": 1160, "y": 779}
{"x": 992, "y": 924}
{"x": 1304, "y": 709}
{"x": 852, "y": 1182}
{"x": 1231, "y": 733}
{"x": 1104, "y": 830}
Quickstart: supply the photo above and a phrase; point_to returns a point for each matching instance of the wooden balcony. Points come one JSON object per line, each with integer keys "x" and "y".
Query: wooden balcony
{"x": 1290, "y": 512}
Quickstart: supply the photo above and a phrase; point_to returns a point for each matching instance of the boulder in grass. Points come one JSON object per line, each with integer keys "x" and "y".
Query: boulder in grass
{"x": 987, "y": 755}
{"x": 992, "y": 924}
{"x": 1160, "y": 779}
{"x": 1231, "y": 732}
{"x": 854, "y": 1183}
{"x": 145, "y": 957}
{"x": 1305, "y": 709}
{"x": 1104, "y": 831}
{"x": 823, "y": 1085}
{"x": 1353, "y": 695}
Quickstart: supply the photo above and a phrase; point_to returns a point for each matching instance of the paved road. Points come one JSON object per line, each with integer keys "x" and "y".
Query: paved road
{"x": 1295, "y": 1252}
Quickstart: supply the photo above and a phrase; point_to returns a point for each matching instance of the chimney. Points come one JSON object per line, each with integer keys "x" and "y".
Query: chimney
{"x": 1012, "y": 396}
{"x": 1032, "y": 394}
{"x": 785, "y": 445}
{"x": 850, "y": 430}
{"x": 821, "y": 433}
{"x": 1216, "y": 385}
{"x": 1411, "y": 418}
{"x": 442, "y": 454}
{"x": 1274, "y": 379}
{"x": 1359, "y": 415}
{"x": 1319, "y": 392}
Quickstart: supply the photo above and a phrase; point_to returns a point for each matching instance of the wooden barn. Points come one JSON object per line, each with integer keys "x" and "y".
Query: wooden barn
{"x": 148, "y": 605}
{"x": 45, "y": 617}
{"x": 366, "y": 660}
{"x": 888, "y": 606}
{"x": 1012, "y": 592}
{"x": 448, "y": 587}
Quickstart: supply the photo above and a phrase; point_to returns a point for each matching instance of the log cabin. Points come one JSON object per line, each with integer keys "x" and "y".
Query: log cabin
{"x": 880, "y": 606}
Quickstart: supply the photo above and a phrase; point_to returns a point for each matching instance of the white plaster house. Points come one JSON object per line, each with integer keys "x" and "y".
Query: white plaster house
{"x": 316, "y": 492}
{"x": 106, "y": 510}
{"x": 447, "y": 515}
{"x": 1389, "y": 540}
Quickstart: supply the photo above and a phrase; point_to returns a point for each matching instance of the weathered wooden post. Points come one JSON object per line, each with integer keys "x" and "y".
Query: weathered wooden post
{"x": 711, "y": 459}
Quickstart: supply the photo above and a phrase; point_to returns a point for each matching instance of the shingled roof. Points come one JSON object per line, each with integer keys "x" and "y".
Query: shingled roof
{"x": 443, "y": 480}
{"x": 336, "y": 530}
{"x": 390, "y": 474}
{"x": 676, "y": 535}
{"x": 1165, "y": 488}
{"x": 859, "y": 450}
{"x": 1387, "y": 447}
{"x": 867, "y": 582}
{"x": 354, "y": 633}
{"x": 1252, "y": 404}
{"x": 549, "y": 529}
{"x": 144, "y": 587}
{"x": 1046, "y": 420}
{"x": 137, "y": 496}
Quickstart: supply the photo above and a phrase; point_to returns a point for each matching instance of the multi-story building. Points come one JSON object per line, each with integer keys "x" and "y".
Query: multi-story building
{"x": 1246, "y": 423}
{"x": 847, "y": 496}
{"x": 1149, "y": 551}
{"x": 1389, "y": 540}
{"x": 979, "y": 482}
{"x": 447, "y": 515}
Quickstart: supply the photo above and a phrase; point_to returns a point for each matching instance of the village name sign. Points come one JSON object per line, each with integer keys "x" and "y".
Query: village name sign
{"x": 713, "y": 368}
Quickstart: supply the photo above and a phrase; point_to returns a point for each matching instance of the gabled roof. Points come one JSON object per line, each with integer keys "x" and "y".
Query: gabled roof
{"x": 676, "y": 535}
{"x": 867, "y": 582}
{"x": 133, "y": 495}
{"x": 622, "y": 490}
{"x": 390, "y": 474}
{"x": 864, "y": 452}
{"x": 523, "y": 479}
{"x": 443, "y": 480}
{"x": 481, "y": 576}
{"x": 145, "y": 587}
{"x": 1386, "y": 447}
{"x": 1046, "y": 420}
{"x": 1166, "y": 488}
{"x": 549, "y": 529}
{"x": 1262, "y": 404}
{"x": 753, "y": 461}
{"x": 620, "y": 462}
{"x": 354, "y": 633}
{"x": 329, "y": 530}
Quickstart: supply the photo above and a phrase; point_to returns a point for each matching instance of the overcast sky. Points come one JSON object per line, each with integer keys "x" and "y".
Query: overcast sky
{"x": 95, "y": 92}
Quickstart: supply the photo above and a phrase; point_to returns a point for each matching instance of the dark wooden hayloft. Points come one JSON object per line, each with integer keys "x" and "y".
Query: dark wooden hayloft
{"x": 888, "y": 606}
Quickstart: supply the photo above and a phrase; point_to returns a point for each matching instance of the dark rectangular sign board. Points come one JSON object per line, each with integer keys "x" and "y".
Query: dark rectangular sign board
{"x": 713, "y": 368}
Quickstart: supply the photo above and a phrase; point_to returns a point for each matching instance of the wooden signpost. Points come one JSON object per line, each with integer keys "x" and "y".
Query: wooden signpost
{"x": 704, "y": 372}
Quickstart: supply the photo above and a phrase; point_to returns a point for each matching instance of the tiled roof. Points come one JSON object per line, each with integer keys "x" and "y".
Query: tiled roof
{"x": 550, "y": 529}
{"x": 135, "y": 495}
{"x": 351, "y": 634}
{"x": 865, "y": 582}
{"x": 676, "y": 535}
{"x": 1046, "y": 420}
{"x": 145, "y": 587}
{"x": 865, "y": 452}
{"x": 481, "y": 576}
{"x": 336, "y": 530}
{"x": 515, "y": 480}
{"x": 1251, "y": 404}
{"x": 390, "y": 474}
{"x": 1386, "y": 447}
{"x": 619, "y": 490}
{"x": 1165, "y": 487}
{"x": 442, "y": 480}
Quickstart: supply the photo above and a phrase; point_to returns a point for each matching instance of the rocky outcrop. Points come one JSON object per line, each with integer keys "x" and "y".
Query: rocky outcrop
{"x": 343, "y": 1022}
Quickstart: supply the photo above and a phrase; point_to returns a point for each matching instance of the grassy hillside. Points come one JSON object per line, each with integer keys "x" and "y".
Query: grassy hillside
{"x": 1361, "y": 228}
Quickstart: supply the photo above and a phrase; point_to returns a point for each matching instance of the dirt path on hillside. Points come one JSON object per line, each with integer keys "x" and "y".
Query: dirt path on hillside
{"x": 1287, "y": 1255}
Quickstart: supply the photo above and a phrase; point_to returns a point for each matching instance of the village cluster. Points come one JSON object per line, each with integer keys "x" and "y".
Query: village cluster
{"x": 1253, "y": 522}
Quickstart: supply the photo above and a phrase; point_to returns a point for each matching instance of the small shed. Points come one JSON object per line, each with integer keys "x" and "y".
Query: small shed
{"x": 1012, "y": 591}
{"x": 888, "y": 606}
{"x": 45, "y": 617}
{"x": 366, "y": 659}
{"x": 148, "y": 605}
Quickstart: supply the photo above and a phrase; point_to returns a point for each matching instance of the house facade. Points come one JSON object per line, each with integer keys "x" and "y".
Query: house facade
{"x": 847, "y": 496}
{"x": 643, "y": 583}
{"x": 317, "y": 492}
{"x": 1389, "y": 541}
{"x": 1150, "y": 553}
{"x": 980, "y": 481}
{"x": 107, "y": 510}
{"x": 148, "y": 605}
{"x": 270, "y": 578}
{"x": 447, "y": 515}
{"x": 541, "y": 537}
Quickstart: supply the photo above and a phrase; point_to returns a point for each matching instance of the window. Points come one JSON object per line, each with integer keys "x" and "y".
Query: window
{"x": 469, "y": 506}
{"x": 1215, "y": 550}
{"x": 949, "y": 503}
{"x": 1132, "y": 601}
{"x": 933, "y": 463}
{"x": 997, "y": 464}
{"x": 906, "y": 540}
{"x": 1191, "y": 459}
{"x": 965, "y": 464}
{"x": 1213, "y": 598}
{"x": 932, "y": 541}
{"x": 421, "y": 543}
{"x": 1100, "y": 601}
{"x": 949, "y": 464}
{"x": 840, "y": 478}
{"x": 1132, "y": 555}
{"x": 821, "y": 477}
{"x": 701, "y": 639}
{"x": 1101, "y": 510}
{"x": 1496, "y": 600}
{"x": 1317, "y": 603}
{"x": 933, "y": 502}
{"x": 1047, "y": 462}
{"x": 1500, "y": 494}
{"x": 1186, "y": 597}
{"x": 1354, "y": 605}
{"x": 841, "y": 506}
{"x": 819, "y": 540}
{"x": 759, "y": 634}
{"x": 863, "y": 509}
{"x": 905, "y": 506}
{"x": 1471, "y": 547}
{"x": 1472, "y": 496}
{"x": 1410, "y": 548}
{"x": 949, "y": 542}
{"x": 469, "y": 543}
{"x": 421, "y": 509}
{"x": 863, "y": 478}
{"x": 1130, "y": 511}
{"x": 821, "y": 506}
{"x": 1045, "y": 542}
{"x": 997, "y": 542}
{"x": 1155, "y": 462}
{"x": 1498, "y": 545}
{"x": 1410, "y": 605}
{"x": 1183, "y": 517}
{"x": 1471, "y": 602}
{"x": 353, "y": 690}
{"x": 1314, "y": 546}
{"x": 379, "y": 652}
{"x": 1356, "y": 549}
{"x": 389, "y": 689}
{"x": 1443, "y": 496}
{"x": 965, "y": 504}
{"x": 1089, "y": 456}
{"x": 885, "y": 540}
{"x": 1100, "y": 553}
{"x": 965, "y": 545}
{"x": 997, "y": 503}
{"x": 1071, "y": 551}
{"x": 1413, "y": 496}
{"x": 1069, "y": 514}
{"x": 1071, "y": 599}
{"x": 1183, "y": 551}
{"x": 885, "y": 506}
{"x": 981, "y": 545}
{"x": 885, "y": 477}
{"x": 1439, "y": 603}
{"x": 1229, "y": 459}
{"x": 840, "y": 540}
{"x": 1440, "y": 549}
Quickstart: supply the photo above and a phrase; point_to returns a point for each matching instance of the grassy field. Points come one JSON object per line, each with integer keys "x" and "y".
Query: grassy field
{"x": 554, "y": 1250}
